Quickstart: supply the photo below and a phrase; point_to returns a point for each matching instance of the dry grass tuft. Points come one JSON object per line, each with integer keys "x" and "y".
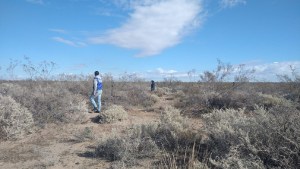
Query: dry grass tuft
{"x": 84, "y": 135}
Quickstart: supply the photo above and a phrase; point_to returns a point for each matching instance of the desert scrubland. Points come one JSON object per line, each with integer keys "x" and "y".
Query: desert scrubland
{"x": 205, "y": 124}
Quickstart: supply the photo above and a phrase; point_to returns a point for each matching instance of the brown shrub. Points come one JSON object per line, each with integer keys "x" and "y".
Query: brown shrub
{"x": 127, "y": 149}
{"x": 113, "y": 114}
{"x": 48, "y": 102}
{"x": 172, "y": 135}
{"x": 139, "y": 97}
{"x": 15, "y": 120}
{"x": 257, "y": 140}
{"x": 84, "y": 135}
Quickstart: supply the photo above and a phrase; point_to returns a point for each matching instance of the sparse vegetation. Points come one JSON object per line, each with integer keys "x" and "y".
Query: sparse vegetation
{"x": 205, "y": 124}
{"x": 48, "y": 102}
{"x": 84, "y": 135}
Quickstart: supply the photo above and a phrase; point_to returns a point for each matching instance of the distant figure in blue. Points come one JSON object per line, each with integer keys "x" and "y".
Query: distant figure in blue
{"x": 97, "y": 92}
{"x": 152, "y": 85}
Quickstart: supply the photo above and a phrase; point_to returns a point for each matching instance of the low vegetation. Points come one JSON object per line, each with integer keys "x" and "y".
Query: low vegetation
{"x": 113, "y": 114}
{"x": 239, "y": 124}
{"x": 15, "y": 120}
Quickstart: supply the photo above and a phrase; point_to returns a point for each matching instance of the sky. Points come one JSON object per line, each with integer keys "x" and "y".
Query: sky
{"x": 153, "y": 39}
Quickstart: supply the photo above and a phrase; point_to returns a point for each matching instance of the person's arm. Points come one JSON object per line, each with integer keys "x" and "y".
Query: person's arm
{"x": 95, "y": 87}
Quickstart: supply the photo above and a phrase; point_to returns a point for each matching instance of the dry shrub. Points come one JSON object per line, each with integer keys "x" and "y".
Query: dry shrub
{"x": 172, "y": 161}
{"x": 113, "y": 114}
{"x": 54, "y": 105}
{"x": 127, "y": 149}
{"x": 48, "y": 102}
{"x": 161, "y": 91}
{"x": 202, "y": 102}
{"x": 268, "y": 101}
{"x": 179, "y": 94}
{"x": 77, "y": 109}
{"x": 15, "y": 120}
{"x": 172, "y": 120}
{"x": 84, "y": 135}
{"x": 139, "y": 97}
{"x": 257, "y": 140}
{"x": 16, "y": 91}
{"x": 153, "y": 97}
{"x": 198, "y": 102}
{"x": 172, "y": 136}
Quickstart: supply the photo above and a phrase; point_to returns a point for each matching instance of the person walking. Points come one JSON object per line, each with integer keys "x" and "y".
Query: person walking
{"x": 152, "y": 85}
{"x": 97, "y": 92}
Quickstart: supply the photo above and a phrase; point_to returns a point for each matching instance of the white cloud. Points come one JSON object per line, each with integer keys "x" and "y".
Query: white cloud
{"x": 40, "y": 2}
{"x": 154, "y": 25}
{"x": 263, "y": 72}
{"x": 69, "y": 42}
{"x": 62, "y": 31}
{"x": 161, "y": 71}
{"x": 160, "y": 74}
{"x": 231, "y": 3}
{"x": 269, "y": 71}
{"x": 130, "y": 4}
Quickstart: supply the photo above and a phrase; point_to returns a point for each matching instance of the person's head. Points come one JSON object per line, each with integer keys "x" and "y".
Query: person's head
{"x": 96, "y": 73}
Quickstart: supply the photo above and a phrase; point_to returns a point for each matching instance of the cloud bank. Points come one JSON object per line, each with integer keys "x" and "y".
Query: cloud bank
{"x": 269, "y": 71}
{"x": 264, "y": 72}
{"x": 154, "y": 26}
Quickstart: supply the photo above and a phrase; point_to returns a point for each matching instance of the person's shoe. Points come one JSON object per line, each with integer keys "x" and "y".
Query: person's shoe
{"x": 97, "y": 111}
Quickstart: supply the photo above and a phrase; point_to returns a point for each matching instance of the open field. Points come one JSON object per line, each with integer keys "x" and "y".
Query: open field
{"x": 49, "y": 124}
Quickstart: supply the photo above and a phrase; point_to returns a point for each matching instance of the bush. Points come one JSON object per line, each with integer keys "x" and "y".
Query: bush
{"x": 257, "y": 140}
{"x": 15, "y": 120}
{"x": 138, "y": 97}
{"x": 172, "y": 136}
{"x": 129, "y": 148}
{"x": 269, "y": 101}
{"x": 84, "y": 135}
{"x": 113, "y": 114}
{"x": 16, "y": 91}
{"x": 161, "y": 91}
{"x": 48, "y": 102}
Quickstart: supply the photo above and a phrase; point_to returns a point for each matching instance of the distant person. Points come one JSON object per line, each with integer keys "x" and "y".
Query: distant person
{"x": 97, "y": 92}
{"x": 152, "y": 85}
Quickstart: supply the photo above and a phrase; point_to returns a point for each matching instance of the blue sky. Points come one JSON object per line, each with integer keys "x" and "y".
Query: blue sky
{"x": 152, "y": 38}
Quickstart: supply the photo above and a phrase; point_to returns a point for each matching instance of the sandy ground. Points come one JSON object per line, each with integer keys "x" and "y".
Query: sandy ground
{"x": 57, "y": 147}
